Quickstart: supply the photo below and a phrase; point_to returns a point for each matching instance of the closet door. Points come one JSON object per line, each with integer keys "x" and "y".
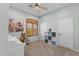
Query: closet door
{"x": 65, "y": 29}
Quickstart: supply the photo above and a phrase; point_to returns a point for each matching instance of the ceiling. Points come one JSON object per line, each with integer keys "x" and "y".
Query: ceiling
{"x": 50, "y": 7}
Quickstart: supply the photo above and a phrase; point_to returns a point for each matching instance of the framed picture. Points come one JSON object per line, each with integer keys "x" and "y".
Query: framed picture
{"x": 15, "y": 25}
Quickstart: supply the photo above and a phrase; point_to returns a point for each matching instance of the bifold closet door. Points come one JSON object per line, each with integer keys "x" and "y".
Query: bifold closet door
{"x": 65, "y": 32}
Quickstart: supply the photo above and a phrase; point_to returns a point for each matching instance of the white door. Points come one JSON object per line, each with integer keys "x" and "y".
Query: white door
{"x": 43, "y": 29}
{"x": 65, "y": 31}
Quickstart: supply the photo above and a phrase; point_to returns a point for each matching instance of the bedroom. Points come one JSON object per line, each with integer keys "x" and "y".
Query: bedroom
{"x": 59, "y": 17}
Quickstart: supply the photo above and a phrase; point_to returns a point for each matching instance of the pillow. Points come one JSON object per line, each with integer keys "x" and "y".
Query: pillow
{"x": 10, "y": 38}
{"x": 14, "y": 38}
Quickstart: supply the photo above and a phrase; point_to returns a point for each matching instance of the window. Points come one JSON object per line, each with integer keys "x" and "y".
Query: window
{"x": 31, "y": 27}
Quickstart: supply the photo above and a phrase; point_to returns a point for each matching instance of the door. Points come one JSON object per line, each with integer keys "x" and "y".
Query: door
{"x": 43, "y": 29}
{"x": 65, "y": 32}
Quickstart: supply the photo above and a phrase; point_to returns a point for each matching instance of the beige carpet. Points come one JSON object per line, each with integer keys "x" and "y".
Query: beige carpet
{"x": 40, "y": 48}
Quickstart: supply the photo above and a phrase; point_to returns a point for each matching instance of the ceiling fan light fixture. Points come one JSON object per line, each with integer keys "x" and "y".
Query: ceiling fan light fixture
{"x": 37, "y": 8}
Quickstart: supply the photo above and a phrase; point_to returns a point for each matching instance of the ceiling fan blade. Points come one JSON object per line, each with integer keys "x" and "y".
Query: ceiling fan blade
{"x": 43, "y": 7}
{"x": 30, "y": 5}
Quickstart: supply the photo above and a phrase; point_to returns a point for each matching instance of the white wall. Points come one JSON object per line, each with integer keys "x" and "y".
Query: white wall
{"x": 68, "y": 11}
{"x": 65, "y": 28}
{"x": 4, "y": 9}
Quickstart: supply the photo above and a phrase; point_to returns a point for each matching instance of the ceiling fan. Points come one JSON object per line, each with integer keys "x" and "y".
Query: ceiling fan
{"x": 37, "y": 6}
